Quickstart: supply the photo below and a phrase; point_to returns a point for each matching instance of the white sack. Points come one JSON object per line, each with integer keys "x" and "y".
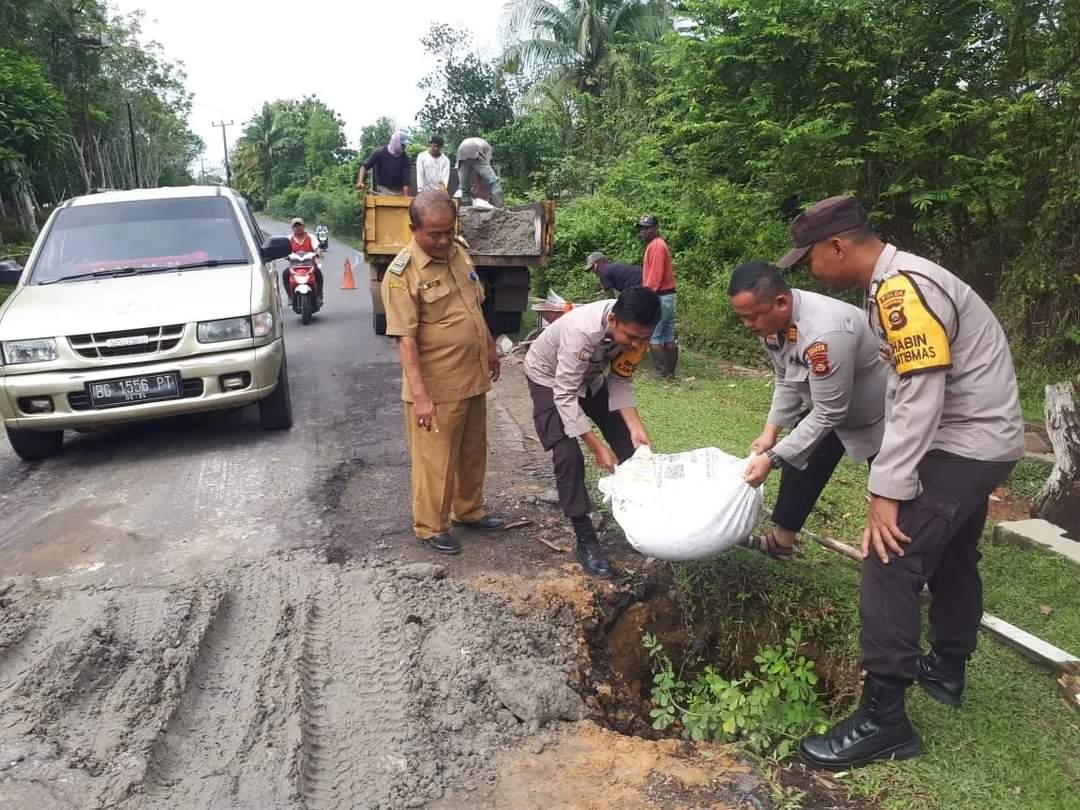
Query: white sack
{"x": 685, "y": 506}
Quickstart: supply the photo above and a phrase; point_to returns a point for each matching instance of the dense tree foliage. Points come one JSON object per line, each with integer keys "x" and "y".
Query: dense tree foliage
{"x": 956, "y": 123}
{"x": 68, "y": 72}
{"x": 293, "y": 160}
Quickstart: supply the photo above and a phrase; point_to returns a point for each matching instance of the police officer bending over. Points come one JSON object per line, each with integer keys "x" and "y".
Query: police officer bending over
{"x": 434, "y": 301}
{"x": 953, "y": 432}
{"x": 581, "y": 368}
{"x": 826, "y": 364}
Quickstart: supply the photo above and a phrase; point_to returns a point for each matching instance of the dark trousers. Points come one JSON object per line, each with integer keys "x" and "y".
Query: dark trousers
{"x": 566, "y": 452}
{"x": 800, "y": 489}
{"x": 944, "y": 523}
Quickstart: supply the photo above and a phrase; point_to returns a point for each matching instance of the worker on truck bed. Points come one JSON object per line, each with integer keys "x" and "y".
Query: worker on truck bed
{"x": 433, "y": 167}
{"x": 474, "y": 160}
{"x": 953, "y": 432}
{"x": 393, "y": 171}
{"x": 434, "y": 301}
{"x": 829, "y": 391}
{"x": 581, "y": 368}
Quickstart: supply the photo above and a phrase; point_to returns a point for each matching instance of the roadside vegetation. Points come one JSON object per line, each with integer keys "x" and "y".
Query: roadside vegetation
{"x": 68, "y": 73}
{"x": 1015, "y": 743}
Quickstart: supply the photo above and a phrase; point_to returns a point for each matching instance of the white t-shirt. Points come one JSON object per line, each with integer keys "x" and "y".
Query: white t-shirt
{"x": 430, "y": 172}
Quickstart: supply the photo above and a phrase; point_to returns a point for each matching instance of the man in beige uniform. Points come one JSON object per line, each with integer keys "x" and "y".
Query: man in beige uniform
{"x": 433, "y": 299}
{"x": 953, "y": 432}
{"x": 581, "y": 368}
{"x": 829, "y": 392}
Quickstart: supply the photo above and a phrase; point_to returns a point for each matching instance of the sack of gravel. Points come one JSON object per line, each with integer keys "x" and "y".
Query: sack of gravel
{"x": 683, "y": 506}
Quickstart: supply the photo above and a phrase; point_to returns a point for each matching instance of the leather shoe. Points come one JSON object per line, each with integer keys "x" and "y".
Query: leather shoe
{"x": 592, "y": 559}
{"x": 484, "y": 524}
{"x": 442, "y": 543}
{"x": 942, "y": 678}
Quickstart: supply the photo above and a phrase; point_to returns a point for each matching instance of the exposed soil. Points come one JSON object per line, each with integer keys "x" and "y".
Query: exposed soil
{"x": 1005, "y": 505}
{"x": 282, "y": 683}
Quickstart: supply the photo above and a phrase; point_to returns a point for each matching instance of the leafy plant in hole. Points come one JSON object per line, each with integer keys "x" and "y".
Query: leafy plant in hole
{"x": 768, "y": 709}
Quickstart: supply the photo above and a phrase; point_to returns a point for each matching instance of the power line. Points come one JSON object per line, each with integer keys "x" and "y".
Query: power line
{"x": 225, "y": 147}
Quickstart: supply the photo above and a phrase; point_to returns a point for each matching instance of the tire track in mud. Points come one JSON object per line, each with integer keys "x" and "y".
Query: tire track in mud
{"x": 229, "y": 741}
{"x": 354, "y": 699}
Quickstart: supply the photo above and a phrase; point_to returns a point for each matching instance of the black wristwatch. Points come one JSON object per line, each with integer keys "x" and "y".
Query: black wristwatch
{"x": 774, "y": 460}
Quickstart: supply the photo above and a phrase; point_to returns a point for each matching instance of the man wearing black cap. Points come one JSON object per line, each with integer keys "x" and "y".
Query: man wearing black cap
{"x": 953, "y": 432}
{"x": 657, "y": 274}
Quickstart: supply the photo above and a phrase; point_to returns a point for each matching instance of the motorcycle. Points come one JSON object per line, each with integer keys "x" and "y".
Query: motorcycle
{"x": 322, "y": 236}
{"x": 305, "y": 303}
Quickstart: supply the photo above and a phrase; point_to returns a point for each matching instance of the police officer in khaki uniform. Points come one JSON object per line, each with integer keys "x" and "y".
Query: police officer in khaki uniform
{"x": 829, "y": 392}
{"x": 581, "y": 368}
{"x": 433, "y": 299}
{"x": 953, "y": 432}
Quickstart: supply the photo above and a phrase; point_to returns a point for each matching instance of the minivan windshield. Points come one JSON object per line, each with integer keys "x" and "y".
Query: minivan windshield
{"x": 137, "y": 237}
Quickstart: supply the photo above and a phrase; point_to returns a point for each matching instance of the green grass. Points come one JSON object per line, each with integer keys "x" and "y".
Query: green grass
{"x": 1033, "y": 380}
{"x": 1015, "y": 745}
{"x": 4, "y": 292}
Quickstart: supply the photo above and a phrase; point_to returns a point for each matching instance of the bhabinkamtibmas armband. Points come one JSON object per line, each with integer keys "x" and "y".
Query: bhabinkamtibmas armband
{"x": 916, "y": 336}
{"x": 626, "y": 363}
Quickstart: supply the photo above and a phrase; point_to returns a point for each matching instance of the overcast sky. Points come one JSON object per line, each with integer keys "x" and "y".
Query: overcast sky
{"x": 362, "y": 58}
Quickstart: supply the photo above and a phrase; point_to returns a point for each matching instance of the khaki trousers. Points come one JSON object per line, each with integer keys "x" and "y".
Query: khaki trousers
{"x": 448, "y": 467}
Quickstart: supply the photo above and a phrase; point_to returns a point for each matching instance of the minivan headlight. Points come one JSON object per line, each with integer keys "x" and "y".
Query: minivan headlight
{"x": 263, "y": 323}
{"x": 29, "y": 351}
{"x": 226, "y": 329}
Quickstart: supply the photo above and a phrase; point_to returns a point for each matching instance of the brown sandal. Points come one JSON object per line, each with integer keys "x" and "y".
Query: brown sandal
{"x": 767, "y": 544}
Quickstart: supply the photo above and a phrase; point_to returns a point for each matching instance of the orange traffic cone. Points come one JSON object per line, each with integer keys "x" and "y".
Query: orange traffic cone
{"x": 348, "y": 282}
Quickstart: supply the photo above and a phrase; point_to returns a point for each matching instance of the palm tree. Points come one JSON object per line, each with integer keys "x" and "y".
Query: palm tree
{"x": 574, "y": 38}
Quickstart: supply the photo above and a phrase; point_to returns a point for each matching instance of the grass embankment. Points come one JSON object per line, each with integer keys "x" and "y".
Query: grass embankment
{"x": 1014, "y": 745}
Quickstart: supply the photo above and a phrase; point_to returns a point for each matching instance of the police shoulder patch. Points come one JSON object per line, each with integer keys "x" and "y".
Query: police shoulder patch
{"x": 400, "y": 262}
{"x": 626, "y": 363}
{"x": 817, "y": 357}
{"x": 915, "y": 334}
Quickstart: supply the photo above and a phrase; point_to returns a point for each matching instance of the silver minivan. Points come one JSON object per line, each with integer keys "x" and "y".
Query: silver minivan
{"x": 139, "y": 305}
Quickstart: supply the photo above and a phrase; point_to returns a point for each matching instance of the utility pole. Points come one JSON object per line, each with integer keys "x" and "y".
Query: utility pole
{"x": 134, "y": 154}
{"x": 225, "y": 146}
{"x": 202, "y": 173}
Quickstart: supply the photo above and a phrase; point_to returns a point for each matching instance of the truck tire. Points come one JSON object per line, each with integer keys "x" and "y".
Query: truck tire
{"x": 378, "y": 322}
{"x": 34, "y": 445}
{"x": 504, "y": 323}
{"x": 275, "y": 411}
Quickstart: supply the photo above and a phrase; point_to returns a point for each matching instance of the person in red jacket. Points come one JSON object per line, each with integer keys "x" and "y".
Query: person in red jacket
{"x": 658, "y": 275}
{"x": 301, "y": 242}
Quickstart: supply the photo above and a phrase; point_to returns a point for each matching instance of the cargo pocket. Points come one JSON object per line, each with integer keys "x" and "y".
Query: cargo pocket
{"x": 927, "y": 520}
{"x": 435, "y": 295}
{"x": 549, "y": 427}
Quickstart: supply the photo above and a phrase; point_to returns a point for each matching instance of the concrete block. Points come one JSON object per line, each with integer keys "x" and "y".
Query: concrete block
{"x": 1040, "y": 533}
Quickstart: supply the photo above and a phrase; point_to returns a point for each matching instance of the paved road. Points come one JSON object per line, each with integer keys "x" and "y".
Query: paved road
{"x": 188, "y": 493}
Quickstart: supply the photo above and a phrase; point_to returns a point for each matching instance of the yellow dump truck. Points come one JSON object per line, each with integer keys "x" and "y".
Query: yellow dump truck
{"x": 504, "y": 244}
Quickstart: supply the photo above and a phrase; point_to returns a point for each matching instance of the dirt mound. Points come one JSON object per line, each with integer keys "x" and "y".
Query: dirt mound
{"x": 596, "y": 769}
{"x": 500, "y": 232}
{"x": 282, "y": 683}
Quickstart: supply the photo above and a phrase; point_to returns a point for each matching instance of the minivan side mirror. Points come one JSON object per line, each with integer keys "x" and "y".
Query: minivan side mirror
{"x": 275, "y": 247}
{"x": 10, "y": 272}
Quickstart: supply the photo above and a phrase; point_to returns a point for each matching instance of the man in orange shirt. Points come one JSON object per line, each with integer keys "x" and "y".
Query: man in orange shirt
{"x": 658, "y": 275}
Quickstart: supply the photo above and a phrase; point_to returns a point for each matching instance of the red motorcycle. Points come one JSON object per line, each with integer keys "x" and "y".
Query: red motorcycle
{"x": 302, "y": 284}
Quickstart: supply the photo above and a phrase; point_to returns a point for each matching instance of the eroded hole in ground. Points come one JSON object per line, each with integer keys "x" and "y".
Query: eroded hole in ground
{"x": 618, "y": 679}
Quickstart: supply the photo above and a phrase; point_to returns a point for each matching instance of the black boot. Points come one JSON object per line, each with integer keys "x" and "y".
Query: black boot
{"x": 588, "y": 551}
{"x": 879, "y": 729}
{"x": 942, "y": 677}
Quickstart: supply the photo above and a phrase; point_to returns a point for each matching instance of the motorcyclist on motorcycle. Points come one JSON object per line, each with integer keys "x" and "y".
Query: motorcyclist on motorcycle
{"x": 301, "y": 242}
{"x": 322, "y": 235}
